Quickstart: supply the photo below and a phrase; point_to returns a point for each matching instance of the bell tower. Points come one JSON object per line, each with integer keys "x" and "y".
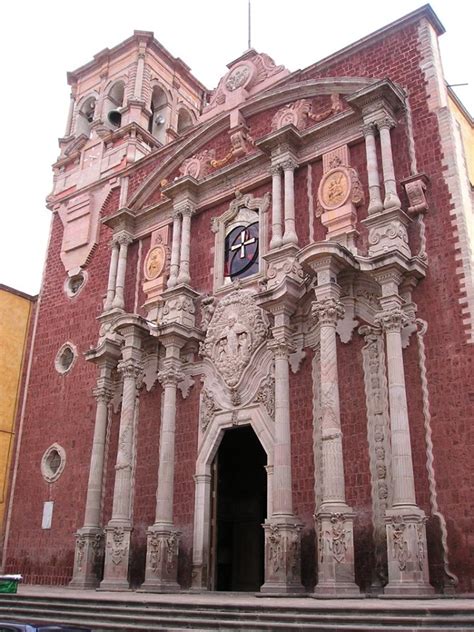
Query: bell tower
{"x": 127, "y": 102}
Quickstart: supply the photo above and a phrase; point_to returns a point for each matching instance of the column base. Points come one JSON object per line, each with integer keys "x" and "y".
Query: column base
{"x": 88, "y": 558}
{"x": 282, "y": 557}
{"x": 117, "y": 553}
{"x": 407, "y": 553}
{"x": 161, "y": 569}
{"x": 334, "y": 528}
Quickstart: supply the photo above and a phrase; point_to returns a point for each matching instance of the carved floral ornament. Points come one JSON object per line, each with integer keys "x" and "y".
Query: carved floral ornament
{"x": 236, "y": 330}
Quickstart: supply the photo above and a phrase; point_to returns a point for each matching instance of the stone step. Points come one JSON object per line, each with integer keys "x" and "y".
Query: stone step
{"x": 122, "y": 614}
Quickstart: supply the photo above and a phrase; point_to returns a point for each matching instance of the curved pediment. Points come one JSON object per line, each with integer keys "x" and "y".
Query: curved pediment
{"x": 204, "y": 133}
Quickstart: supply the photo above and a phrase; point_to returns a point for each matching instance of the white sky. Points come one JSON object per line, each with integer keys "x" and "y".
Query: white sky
{"x": 41, "y": 40}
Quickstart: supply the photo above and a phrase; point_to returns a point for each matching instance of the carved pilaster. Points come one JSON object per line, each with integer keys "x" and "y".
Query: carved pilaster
{"x": 335, "y": 537}
{"x": 282, "y": 557}
{"x": 88, "y": 556}
{"x": 117, "y": 550}
{"x": 378, "y": 433}
{"x": 161, "y": 560}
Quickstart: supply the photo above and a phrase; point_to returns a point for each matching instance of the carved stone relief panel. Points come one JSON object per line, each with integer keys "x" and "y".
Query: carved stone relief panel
{"x": 155, "y": 265}
{"x": 378, "y": 422}
{"x": 236, "y": 330}
{"x": 339, "y": 193}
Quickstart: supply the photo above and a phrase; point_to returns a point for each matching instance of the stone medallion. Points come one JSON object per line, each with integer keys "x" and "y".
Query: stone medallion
{"x": 335, "y": 188}
{"x": 154, "y": 262}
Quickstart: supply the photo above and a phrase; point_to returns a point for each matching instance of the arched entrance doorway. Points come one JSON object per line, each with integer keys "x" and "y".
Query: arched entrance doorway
{"x": 239, "y": 507}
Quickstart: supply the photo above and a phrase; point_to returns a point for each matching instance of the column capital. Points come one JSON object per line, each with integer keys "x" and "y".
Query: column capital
{"x": 186, "y": 208}
{"x": 386, "y": 122}
{"x": 122, "y": 239}
{"x": 391, "y": 319}
{"x": 369, "y": 129}
{"x": 170, "y": 376}
{"x": 275, "y": 169}
{"x": 327, "y": 311}
{"x": 281, "y": 347}
{"x": 289, "y": 164}
{"x": 103, "y": 393}
{"x": 130, "y": 368}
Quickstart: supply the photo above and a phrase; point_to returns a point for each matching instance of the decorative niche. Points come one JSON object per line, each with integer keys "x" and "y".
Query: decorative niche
{"x": 241, "y": 235}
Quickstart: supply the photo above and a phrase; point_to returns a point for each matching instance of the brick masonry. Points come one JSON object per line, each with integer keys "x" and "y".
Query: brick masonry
{"x": 60, "y": 407}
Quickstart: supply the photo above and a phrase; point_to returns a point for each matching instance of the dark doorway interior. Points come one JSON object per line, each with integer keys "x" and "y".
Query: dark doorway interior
{"x": 240, "y": 510}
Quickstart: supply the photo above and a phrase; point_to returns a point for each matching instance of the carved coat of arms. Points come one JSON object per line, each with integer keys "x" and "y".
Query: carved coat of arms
{"x": 236, "y": 330}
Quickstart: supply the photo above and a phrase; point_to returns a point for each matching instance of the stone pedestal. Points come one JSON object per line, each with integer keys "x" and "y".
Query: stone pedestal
{"x": 282, "y": 557}
{"x": 89, "y": 554}
{"x": 407, "y": 553}
{"x": 161, "y": 560}
{"x": 117, "y": 548}
{"x": 334, "y": 528}
{"x": 388, "y": 232}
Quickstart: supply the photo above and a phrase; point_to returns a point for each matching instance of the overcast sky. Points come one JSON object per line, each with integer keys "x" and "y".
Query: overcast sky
{"x": 41, "y": 41}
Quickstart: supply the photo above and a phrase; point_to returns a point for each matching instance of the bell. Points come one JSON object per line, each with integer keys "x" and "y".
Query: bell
{"x": 115, "y": 118}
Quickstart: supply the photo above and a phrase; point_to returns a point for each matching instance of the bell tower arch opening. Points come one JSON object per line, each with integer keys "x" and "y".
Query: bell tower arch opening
{"x": 239, "y": 508}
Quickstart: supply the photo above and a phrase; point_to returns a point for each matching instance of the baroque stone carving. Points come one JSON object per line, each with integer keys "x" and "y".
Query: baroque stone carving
{"x": 400, "y": 550}
{"x": 199, "y": 165}
{"x": 163, "y": 547}
{"x": 208, "y": 409}
{"x": 266, "y": 395}
{"x": 337, "y": 537}
{"x": 236, "y": 330}
{"x": 117, "y": 546}
{"x": 292, "y": 114}
{"x": 376, "y": 393}
{"x": 327, "y": 311}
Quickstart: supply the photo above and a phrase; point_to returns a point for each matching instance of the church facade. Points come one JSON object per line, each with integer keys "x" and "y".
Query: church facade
{"x": 252, "y": 358}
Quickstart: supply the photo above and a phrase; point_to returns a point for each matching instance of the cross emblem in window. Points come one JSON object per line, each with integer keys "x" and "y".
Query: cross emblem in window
{"x": 245, "y": 240}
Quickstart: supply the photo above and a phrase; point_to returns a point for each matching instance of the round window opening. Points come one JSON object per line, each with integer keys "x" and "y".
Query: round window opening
{"x": 53, "y": 462}
{"x": 65, "y": 358}
{"x": 74, "y": 284}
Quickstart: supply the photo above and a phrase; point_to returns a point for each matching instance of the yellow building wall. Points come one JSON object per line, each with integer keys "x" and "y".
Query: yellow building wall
{"x": 466, "y": 127}
{"x": 15, "y": 313}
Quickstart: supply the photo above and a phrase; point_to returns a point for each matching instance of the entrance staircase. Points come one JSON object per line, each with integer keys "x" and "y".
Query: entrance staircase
{"x": 133, "y": 611}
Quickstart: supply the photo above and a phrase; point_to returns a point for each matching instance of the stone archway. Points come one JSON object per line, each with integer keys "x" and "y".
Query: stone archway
{"x": 255, "y": 416}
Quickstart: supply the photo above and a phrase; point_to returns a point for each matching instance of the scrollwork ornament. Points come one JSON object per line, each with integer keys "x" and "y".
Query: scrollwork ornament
{"x": 328, "y": 311}
{"x": 117, "y": 546}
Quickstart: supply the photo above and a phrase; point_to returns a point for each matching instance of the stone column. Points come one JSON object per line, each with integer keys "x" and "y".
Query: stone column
{"x": 290, "y": 236}
{"x": 282, "y": 529}
{"x": 118, "y": 531}
{"x": 112, "y": 277}
{"x": 89, "y": 539}
{"x": 72, "y": 100}
{"x": 405, "y": 521}
{"x": 276, "y": 239}
{"x": 162, "y": 538}
{"x": 202, "y": 507}
{"x": 175, "y": 249}
{"x": 184, "y": 276}
{"x": 334, "y": 519}
{"x": 391, "y": 199}
{"x": 375, "y": 199}
{"x": 124, "y": 240}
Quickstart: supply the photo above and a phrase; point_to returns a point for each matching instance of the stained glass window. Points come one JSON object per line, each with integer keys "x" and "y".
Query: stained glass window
{"x": 241, "y": 251}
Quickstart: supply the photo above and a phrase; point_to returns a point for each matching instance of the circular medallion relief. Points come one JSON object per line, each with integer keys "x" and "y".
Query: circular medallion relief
{"x": 334, "y": 189}
{"x": 65, "y": 358}
{"x": 237, "y": 78}
{"x": 154, "y": 262}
